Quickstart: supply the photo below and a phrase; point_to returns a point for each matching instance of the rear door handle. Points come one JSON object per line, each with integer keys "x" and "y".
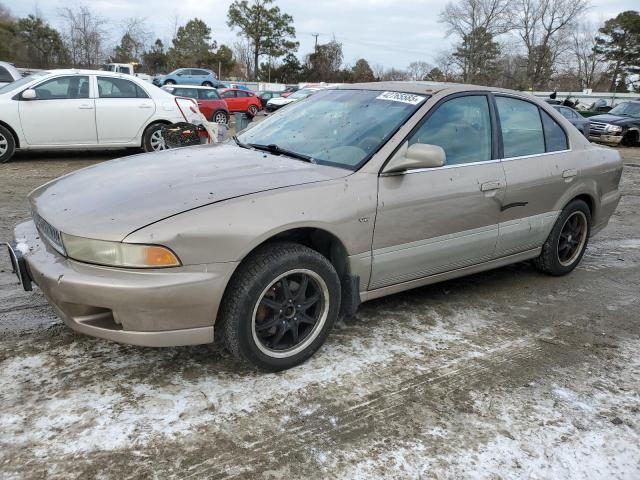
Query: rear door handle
{"x": 145, "y": 106}
{"x": 572, "y": 172}
{"x": 489, "y": 186}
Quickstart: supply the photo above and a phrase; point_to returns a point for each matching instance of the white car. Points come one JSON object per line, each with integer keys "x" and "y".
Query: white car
{"x": 85, "y": 109}
{"x": 8, "y": 73}
{"x": 279, "y": 102}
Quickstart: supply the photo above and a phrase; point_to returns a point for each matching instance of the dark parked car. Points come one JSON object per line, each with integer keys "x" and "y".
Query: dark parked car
{"x": 266, "y": 96}
{"x": 575, "y": 118}
{"x": 620, "y": 126}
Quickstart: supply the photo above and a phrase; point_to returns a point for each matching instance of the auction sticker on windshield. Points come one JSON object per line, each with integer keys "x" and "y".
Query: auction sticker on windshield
{"x": 401, "y": 97}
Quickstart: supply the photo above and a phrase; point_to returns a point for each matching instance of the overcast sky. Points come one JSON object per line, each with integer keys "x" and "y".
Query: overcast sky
{"x": 389, "y": 32}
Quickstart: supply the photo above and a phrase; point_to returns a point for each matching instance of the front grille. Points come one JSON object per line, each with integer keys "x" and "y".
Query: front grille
{"x": 598, "y": 127}
{"x": 49, "y": 233}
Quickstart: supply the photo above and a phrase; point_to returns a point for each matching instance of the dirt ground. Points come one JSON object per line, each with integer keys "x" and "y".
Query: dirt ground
{"x": 505, "y": 374}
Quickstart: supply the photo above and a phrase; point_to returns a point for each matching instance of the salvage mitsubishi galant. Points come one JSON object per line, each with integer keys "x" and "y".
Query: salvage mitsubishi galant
{"x": 357, "y": 192}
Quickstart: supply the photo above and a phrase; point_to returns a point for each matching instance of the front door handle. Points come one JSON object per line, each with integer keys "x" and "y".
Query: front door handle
{"x": 86, "y": 107}
{"x": 572, "y": 172}
{"x": 489, "y": 186}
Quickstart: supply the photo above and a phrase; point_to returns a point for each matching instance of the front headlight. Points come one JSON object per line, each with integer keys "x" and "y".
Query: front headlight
{"x": 613, "y": 128}
{"x": 117, "y": 254}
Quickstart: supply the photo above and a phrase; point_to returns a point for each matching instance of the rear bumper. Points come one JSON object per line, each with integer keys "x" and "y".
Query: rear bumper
{"x": 161, "y": 307}
{"x": 608, "y": 139}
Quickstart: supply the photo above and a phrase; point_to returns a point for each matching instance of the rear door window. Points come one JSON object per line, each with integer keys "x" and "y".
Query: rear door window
{"x": 555, "y": 138}
{"x": 208, "y": 95}
{"x": 185, "y": 92}
{"x": 109, "y": 87}
{"x": 522, "y": 132}
{"x": 229, "y": 94}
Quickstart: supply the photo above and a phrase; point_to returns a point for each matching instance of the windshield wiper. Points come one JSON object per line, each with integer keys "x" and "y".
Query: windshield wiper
{"x": 276, "y": 150}
{"x": 239, "y": 143}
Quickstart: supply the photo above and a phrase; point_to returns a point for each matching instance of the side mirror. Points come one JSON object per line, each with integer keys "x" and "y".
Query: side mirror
{"x": 418, "y": 155}
{"x": 29, "y": 94}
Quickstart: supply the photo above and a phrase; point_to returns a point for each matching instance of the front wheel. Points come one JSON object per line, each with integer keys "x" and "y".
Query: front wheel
{"x": 567, "y": 242}
{"x": 253, "y": 111}
{"x": 152, "y": 139}
{"x": 280, "y": 306}
{"x": 169, "y": 82}
{"x": 7, "y": 145}
{"x": 207, "y": 84}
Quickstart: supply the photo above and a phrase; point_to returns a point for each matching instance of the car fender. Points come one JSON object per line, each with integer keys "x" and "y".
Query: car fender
{"x": 227, "y": 231}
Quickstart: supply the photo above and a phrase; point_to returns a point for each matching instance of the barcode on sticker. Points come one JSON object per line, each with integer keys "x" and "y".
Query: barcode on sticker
{"x": 401, "y": 97}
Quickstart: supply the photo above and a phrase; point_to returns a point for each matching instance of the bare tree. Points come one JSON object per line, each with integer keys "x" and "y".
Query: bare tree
{"x": 543, "y": 26}
{"x": 243, "y": 55}
{"x": 137, "y": 30}
{"x": 591, "y": 65}
{"x": 418, "y": 70}
{"x": 84, "y": 35}
{"x": 476, "y": 23}
{"x": 378, "y": 70}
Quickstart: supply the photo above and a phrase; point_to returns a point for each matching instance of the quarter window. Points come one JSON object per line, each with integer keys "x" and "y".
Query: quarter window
{"x": 521, "y": 125}
{"x": 242, "y": 94}
{"x": 462, "y": 127}
{"x": 119, "y": 88}
{"x": 554, "y": 135}
{"x": 63, "y": 88}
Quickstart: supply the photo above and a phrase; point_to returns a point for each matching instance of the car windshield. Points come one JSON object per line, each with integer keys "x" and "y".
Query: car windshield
{"x": 343, "y": 128}
{"x": 21, "y": 82}
{"x": 627, "y": 109}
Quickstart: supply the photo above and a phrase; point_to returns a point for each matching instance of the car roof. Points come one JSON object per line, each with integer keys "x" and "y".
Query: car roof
{"x": 199, "y": 87}
{"x": 424, "y": 87}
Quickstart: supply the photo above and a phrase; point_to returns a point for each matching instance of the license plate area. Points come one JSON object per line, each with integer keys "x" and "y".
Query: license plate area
{"x": 19, "y": 266}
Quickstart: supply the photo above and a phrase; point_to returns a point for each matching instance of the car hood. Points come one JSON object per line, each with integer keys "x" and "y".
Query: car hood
{"x": 614, "y": 119}
{"x": 110, "y": 200}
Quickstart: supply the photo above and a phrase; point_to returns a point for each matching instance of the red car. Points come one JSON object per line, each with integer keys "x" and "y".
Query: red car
{"x": 241, "y": 101}
{"x": 209, "y": 102}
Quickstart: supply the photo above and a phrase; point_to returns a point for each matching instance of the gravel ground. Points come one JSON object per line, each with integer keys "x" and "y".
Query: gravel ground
{"x": 505, "y": 374}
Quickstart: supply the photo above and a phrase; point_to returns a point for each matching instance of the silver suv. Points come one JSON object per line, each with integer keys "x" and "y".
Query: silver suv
{"x": 354, "y": 193}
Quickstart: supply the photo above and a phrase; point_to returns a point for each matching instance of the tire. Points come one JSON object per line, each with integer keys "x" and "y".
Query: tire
{"x": 207, "y": 84}
{"x": 252, "y": 111}
{"x": 7, "y": 145}
{"x": 220, "y": 116}
{"x": 561, "y": 253}
{"x": 169, "y": 82}
{"x": 152, "y": 140}
{"x": 630, "y": 139}
{"x": 257, "y": 296}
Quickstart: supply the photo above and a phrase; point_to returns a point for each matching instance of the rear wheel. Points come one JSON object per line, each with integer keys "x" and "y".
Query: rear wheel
{"x": 152, "y": 139}
{"x": 7, "y": 145}
{"x": 220, "y": 117}
{"x": 567, "y": 242}
{"x": 280, "y": 306}
{"x": 252, "y": 111}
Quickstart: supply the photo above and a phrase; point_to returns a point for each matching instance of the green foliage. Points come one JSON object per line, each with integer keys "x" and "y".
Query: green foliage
{"x": 268, "y": 29}
{"x": 156, "y": 59}
{"x": 40, "y": 44}
{"x": 324, "y": 64}
{"x": 223, "y": 58}
{"x": 361, "y": 72}
{"x": 477, "y": 55}
{"x": 192, "y": 46}
{"x": 125, "y": 52}
{"x": 619, "y": 43}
